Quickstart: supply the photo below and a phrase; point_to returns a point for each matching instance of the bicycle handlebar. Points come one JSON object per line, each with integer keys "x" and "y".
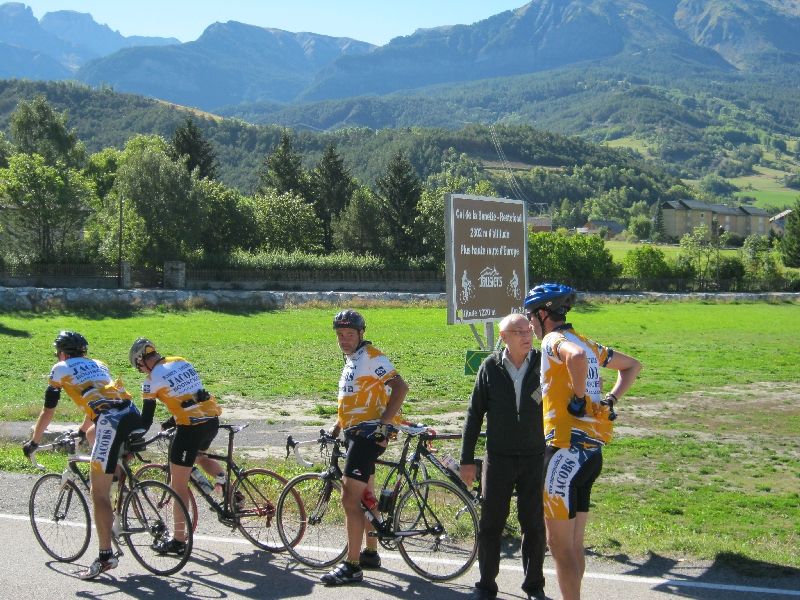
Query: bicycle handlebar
{"x": 64, "y": 440}
{"x": 323, "y": 440}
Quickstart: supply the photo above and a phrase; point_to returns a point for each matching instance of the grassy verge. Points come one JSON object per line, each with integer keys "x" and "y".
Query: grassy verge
{"x": 705, "y": 464}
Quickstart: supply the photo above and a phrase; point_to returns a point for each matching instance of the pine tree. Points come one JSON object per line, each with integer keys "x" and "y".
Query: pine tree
{"x": 188, "y": 141}
{"x": 332, "y": 186}
{"x": 790, "y": 244}
{"x": 658, "y": 232}
{"x": 283, "y": 170}
{"x": 400, "y": 190}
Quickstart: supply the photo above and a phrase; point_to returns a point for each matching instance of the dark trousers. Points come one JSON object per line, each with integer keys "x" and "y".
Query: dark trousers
{"x": 503, "y": 474}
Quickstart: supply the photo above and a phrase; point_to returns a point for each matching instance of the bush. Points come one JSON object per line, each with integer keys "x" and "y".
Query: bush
{"x": 580, "y": 260}
{"x": 647, "y": 265}
{"x": 302, "y": 261}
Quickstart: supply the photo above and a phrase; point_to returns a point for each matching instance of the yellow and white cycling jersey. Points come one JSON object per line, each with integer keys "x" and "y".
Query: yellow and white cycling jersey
{"x": 561, "y": 429}
{"x": 363, "y": 393}
{"x": 175, "y": 382}
{"x": 88, "y": 382}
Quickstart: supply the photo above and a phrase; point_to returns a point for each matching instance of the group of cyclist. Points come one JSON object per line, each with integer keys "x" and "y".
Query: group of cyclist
{"x": 110, "y": 417}
{"x": 557, "y": 391}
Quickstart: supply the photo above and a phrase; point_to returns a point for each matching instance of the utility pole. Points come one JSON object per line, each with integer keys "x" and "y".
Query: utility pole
{"x": 119, "y": 246}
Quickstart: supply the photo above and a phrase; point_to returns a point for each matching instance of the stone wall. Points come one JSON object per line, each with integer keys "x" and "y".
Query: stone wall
{"x": 36, "y": 299}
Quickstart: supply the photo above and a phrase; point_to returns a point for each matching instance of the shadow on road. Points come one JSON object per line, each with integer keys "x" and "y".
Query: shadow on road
{"x": 727, "y": 569}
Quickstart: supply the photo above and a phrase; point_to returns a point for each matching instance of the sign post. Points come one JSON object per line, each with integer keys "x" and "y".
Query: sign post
{"x": 486, "y": 245}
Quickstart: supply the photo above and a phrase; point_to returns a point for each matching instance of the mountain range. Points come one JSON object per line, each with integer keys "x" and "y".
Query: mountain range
{"x": 234, "y": 63}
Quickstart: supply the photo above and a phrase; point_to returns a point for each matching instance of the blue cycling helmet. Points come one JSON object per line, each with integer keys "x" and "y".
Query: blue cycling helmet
{"x": 553, "y": 297}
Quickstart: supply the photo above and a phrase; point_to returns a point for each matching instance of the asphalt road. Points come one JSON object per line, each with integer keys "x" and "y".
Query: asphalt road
{"x": 224, "y": 566}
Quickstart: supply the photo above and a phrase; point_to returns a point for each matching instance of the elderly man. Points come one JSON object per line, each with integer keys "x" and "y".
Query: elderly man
{"x": 507, "y": 392}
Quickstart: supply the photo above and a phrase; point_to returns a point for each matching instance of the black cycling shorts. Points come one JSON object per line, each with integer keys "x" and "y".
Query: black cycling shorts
{"x": 361, "y": 456}
{"x": 569, "y": 474}
{"x": 191, "y": 439}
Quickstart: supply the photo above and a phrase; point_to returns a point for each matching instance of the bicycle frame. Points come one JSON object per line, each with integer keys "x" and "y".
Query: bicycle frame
{"x": 223, "y": 509}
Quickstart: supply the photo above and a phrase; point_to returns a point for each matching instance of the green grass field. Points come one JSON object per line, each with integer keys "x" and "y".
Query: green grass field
{"x": 767, "y": 188}
{"x": 705, "y": 464}
{"x": 619, "y": 249}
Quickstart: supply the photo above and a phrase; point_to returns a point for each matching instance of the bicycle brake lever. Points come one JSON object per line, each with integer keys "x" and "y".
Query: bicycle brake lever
{"x": 290, "y": 443}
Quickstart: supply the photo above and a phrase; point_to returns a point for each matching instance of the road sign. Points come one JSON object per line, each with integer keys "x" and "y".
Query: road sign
{"x": 487, "y": 257}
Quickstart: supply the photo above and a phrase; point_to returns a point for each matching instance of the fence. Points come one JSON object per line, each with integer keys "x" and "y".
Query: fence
{"x": 94, "y": 276}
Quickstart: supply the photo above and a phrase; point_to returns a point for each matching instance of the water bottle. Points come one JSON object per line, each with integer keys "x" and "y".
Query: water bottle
{"x": 116, "y": 528}
{"x": 451, "y": 463}
{"x": 368, "y": 499}
{"x": 201, "y": 480}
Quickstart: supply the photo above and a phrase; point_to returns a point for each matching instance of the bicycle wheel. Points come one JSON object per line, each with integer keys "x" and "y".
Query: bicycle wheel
{"x": 158, "y": 472}
{"x": 148, "y": 516}
{"x": 60, "y": 517}
{"x": 254, "y": 500}
{"x": 446, "y": 542}
{"x": 310, "y": 510}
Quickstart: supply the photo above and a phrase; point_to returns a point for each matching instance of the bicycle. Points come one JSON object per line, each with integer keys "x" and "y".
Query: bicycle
{"x": 247, "y": 504}
{"x": 432, "y": 523}
{"x": 143, "y": 510}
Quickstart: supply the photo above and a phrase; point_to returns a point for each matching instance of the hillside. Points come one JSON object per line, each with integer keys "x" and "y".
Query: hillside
{"x": 104, "y": 118}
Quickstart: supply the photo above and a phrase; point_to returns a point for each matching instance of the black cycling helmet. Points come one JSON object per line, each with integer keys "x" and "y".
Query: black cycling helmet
{"x": 71, "y": 343}
{"x": 349, "y": 318}
{"x": 555, "y": 298}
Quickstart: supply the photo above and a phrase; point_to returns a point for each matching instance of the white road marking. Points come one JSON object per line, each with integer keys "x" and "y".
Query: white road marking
{"x": 633, "y": 579}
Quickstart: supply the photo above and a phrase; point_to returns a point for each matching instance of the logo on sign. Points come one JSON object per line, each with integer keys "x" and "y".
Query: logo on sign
{"x": 490, "y": 278}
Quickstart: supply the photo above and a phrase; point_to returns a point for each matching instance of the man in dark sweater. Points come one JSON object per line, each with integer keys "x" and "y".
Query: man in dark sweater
{"x": 507, "y": 392}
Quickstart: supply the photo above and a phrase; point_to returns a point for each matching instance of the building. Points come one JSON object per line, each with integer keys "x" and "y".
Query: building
{"x": 598, "y": 225}
{"x": 778, "y": 222}
{"x": 683, "y": 216}
{"x": 540, "y": 223}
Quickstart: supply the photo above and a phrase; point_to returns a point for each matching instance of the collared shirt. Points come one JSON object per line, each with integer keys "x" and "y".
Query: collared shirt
{"x": 363, "y": 393}
{"x": 517, "y": 375}
{"x": 175, "y": 382}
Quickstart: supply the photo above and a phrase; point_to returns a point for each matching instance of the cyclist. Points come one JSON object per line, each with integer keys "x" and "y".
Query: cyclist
{"x": 371, "y": 392}
{"x": 577, "y": 423}
{"x": 507, "y": 393}
{"x": 195, "y": 414}
{"x": 110, "y": 416}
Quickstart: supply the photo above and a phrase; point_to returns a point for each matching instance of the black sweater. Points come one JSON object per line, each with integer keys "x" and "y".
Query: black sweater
{"x": 508, "y": 432}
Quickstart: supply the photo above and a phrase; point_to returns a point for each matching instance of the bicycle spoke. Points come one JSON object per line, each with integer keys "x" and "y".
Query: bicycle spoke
{"x": 60, "y": 517}
{"x": 310, "y": 512}
{"x": 254, "y": 500}
{"x": 159, "y": 472}
{"x": 152, "y": 513}
{"x": 442, "y": 525}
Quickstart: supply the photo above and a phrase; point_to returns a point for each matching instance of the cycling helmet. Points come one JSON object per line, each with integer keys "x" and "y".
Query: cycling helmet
{"x": 553, "y": 297}
{"x": 71, "y": 343}
{"x": 349, "y": 318}
{"x": 140, "y": 349}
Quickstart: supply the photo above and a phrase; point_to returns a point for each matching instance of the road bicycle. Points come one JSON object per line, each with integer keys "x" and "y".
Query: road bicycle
{"x": 248, "y": 500}
{"x": 144, "y": 510}
{"x": 432, "y": 523}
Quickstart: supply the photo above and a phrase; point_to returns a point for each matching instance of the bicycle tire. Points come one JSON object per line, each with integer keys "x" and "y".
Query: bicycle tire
{"x": 60, "y": 517}
{"x": 160, "y": 472}
{"x": 310, "y": 510}
{"x": 254, "y": 501}
{"x": 147, "y": 517}
{"x": 446, "y": 554}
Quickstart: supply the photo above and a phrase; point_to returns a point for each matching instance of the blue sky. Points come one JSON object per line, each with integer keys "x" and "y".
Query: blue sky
{"x": 375, "y": 21}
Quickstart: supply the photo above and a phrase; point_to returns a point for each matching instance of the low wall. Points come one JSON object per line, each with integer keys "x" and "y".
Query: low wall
{"x": 36, "y": 299}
